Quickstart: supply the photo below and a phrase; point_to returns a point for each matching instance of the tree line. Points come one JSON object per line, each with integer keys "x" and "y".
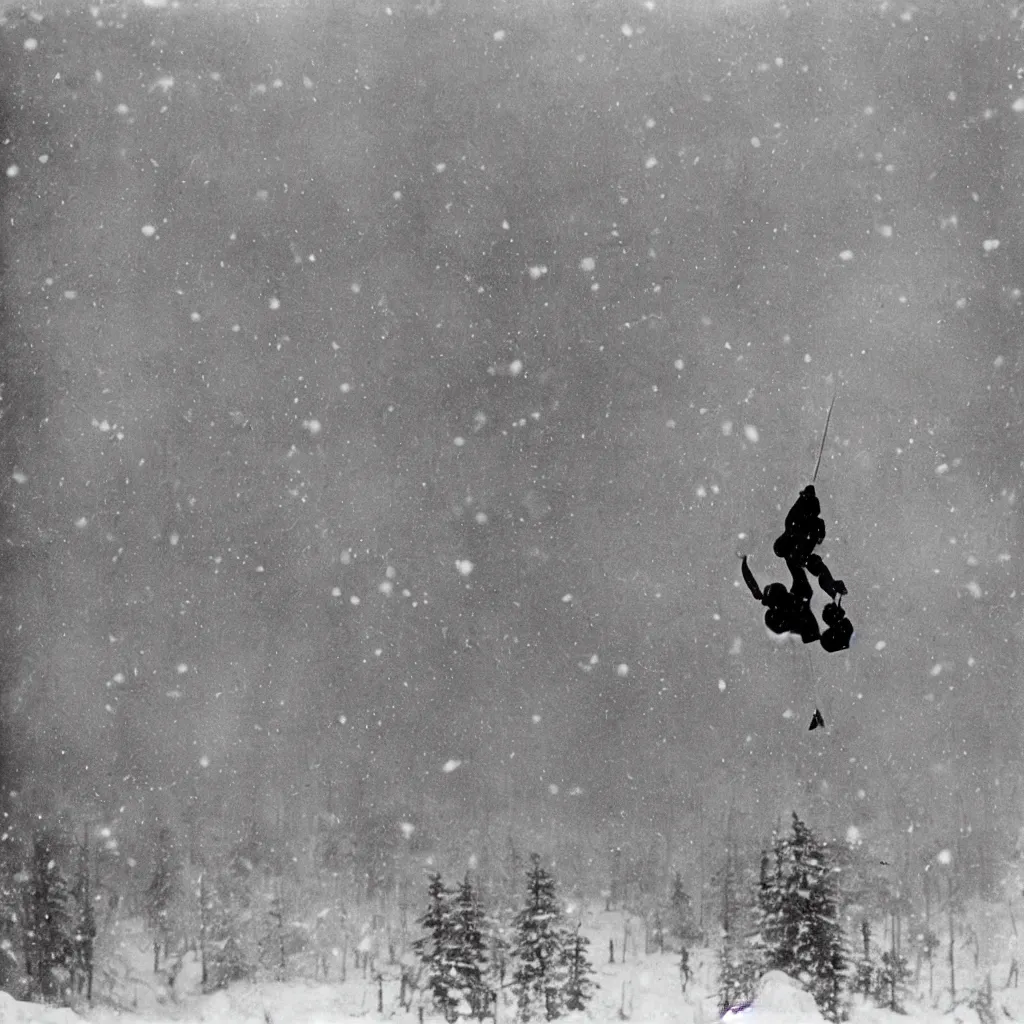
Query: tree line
{"x": 808, "y": 908}
{"x": 466, "y": 955}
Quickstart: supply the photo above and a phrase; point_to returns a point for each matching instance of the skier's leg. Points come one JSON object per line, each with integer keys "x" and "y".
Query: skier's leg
{"x": 807, "y": 625}
{"x": 817, "y": 567}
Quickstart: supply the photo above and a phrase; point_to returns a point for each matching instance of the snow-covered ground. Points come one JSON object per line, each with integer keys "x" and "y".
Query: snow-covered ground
{"x": 645, "y": 989}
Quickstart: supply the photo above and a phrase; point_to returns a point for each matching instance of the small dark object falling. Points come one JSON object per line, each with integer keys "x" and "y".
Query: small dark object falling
{"x": 816, "y": 721}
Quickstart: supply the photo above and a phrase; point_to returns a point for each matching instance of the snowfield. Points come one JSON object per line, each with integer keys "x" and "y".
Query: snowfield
{"x": 781, "y": 1001}
{"x": 643, "y": 990}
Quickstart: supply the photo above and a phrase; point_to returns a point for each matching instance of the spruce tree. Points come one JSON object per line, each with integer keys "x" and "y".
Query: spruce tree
{"x": 785, "y": 902}
{"x": 160, "y": 893}
{"x": 539, "y": 975}
{"x": 273, "y": 949}
{"x": 891, "y": 979}
{"x": 83, "y": 923}
{"x": 579, "y": 985}
{"x": 227, "y": 914}
{"x": 11, "y": 907}
{"x": 769, "y": 904}
{"x": 683, "y": 926}
{"x": 436, "y": 949}
{"x": 49, "y": 947}
{"x": 498, "y": 928}
{"x": 865, "y": 968}
{"x": 803, "y": 937}
{"x": 740, "y": 961}
{"x": 824, "y": 946}
{"x": 470, "y": 950}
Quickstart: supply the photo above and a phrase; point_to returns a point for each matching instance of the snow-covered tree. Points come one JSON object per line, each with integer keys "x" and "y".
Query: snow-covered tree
{"x": 498, "y": 931}
{"x": 437, "y": 948}
{"x": 864, "y": 970}
{"x": 579, "y": 985}
{"x": 83, "y": 922}
{"x": 740, "y": 953}
{"x": 161, "y": 892}
{"x": 801, "y": 929}
{"x": 539, "y": 976}
{"x": 683, "y": 926}
{"x": 48, "y": 941}
{"x": 273, "y": 943}
{"x": 11, "y": 909}
{"x": 226, "y": 916}
{"x": 769, "y": 907}
{"x": 470, "y": 949}
{"x": 891, "y": 977}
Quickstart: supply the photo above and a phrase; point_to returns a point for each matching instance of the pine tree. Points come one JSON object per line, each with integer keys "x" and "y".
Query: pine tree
{"x": 272, "y": 944}
{"x": 865, "y": 969}
{"x": 48, "y": 936}
{"x": 10, "y": 914}
{"x": 769, "y": 904}
{"x": 803, "y": 937}
{"x": 825, "y": 949}
{"x": 538, "y": 978}
{"x": 84, "y": 923}
{"x": 891, "y": 979}
{"x": 160, "y": 893}
{"x": 579, "y": 985}
{"x": 471, "y": 950}
{"x": 436, "y": 949}
{"x": 739, "y": 957}
{"x": 784, "y": 900}
{"x": 498, "y": 927}
{"x": 683, "y": 926}
{"x": 227, "y": 914}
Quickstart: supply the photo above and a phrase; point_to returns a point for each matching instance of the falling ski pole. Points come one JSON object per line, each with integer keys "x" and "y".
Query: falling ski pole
{"x": 824, "y": 434}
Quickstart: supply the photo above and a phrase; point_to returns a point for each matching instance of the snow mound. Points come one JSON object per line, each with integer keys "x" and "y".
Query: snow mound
{"x": 13, "y": 1012}
{"x": 780, "y": 993}
{"x": 779, "y": 1000}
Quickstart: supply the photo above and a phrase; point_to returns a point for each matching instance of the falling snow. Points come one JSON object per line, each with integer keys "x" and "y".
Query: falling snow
{"x": 269, "y": 382}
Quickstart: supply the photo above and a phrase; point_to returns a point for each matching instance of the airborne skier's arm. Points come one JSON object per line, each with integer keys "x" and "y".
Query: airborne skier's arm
{"x": 748, "y": 578}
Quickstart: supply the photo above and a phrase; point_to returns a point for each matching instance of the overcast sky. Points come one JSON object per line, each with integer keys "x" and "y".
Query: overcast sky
{"x": 389, "y": 391}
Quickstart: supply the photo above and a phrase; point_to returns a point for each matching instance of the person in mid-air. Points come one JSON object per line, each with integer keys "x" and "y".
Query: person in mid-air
{"x": 789, "y": 611}
{"x": 840, "y": 629}
{"x": 805, "y": 530}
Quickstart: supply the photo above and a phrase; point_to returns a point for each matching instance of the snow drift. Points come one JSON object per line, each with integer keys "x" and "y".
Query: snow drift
{"x": 779, "y": 1000}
